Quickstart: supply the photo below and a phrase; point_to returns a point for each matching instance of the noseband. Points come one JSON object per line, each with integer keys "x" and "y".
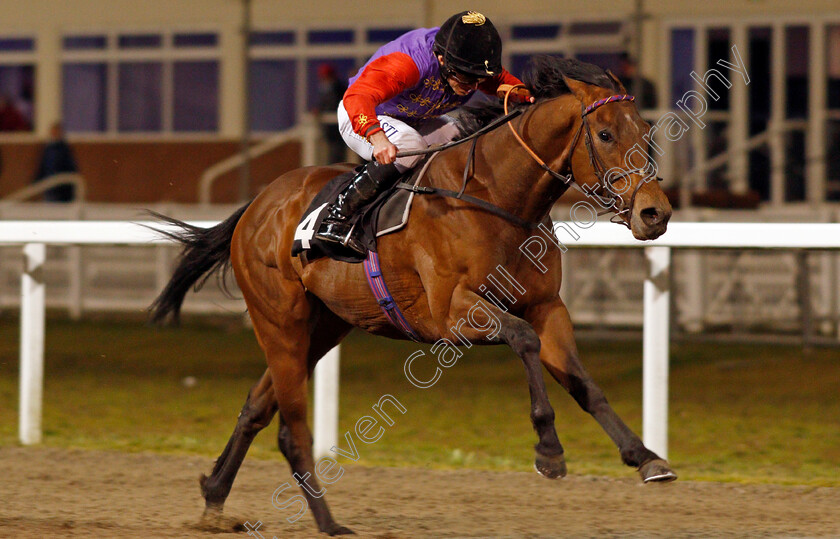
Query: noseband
{"x": 607, "y": 198}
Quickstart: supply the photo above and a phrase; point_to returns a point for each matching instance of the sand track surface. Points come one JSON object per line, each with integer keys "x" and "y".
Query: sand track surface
{"x": 48, "y": 492}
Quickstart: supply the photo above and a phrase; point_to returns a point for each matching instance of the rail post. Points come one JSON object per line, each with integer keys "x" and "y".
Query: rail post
{"x": 655, "y": 350}
{"x": 325, "y": 433}
{"x": 32, "y": 342}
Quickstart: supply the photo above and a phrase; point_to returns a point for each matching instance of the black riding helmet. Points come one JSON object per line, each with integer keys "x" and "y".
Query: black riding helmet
{"x": 469, "y": 44}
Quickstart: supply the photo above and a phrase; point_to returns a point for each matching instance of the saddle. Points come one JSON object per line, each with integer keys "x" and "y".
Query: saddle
{"x": 387, "y": 214}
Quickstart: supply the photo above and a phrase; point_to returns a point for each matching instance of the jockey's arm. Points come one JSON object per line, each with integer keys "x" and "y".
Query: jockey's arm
{"x": 499, "y": 84}
{"x": 382, "y": 79}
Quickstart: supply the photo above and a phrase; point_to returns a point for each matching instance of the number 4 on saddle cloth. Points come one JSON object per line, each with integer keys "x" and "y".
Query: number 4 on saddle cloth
{"x": 388, "y": 213}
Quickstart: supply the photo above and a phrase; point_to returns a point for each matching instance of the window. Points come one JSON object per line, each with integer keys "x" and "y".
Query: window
{"x": 85, "y": 42}
{"x": 718, "y": 49}
{"x": 196, "y": 40}
{"x": 833, "y": 65}
{"x": 84, "y": 97}
{"x": 326, "y": 37}
{"x": 17, "y": 44}
{"x": 141, "y": 83}
{"x": 595, "y": 28}
{"x": 272, "y": 38}
{"x": 682, "y": 62}
{"x": 535, "y": 31}
{"x": 17, "y": 82}
{"x": 833, "y": 102}
{"x": 140, "y": 96}
{"x": 140, "y": 41}
{"x": 796, "y": 46}
{"x": 196, "y": 96}
{"x": 272, "y": 95}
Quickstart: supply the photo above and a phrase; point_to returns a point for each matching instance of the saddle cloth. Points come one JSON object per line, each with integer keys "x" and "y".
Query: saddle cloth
{"x": 387, "y": 214}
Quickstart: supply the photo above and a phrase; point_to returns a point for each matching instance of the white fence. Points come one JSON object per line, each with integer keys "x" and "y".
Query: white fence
{"x": 122, "y": 278}
{"x": 740, "y": 293}
{"x": 35, "y": 235}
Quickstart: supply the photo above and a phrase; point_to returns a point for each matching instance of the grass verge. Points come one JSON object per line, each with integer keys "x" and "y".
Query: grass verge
{"x": 737, "y": 413}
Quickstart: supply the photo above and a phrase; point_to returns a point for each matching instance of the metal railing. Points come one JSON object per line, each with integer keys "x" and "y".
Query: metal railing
{"x": 773, "y": 138}
{"x": 63, "y": 178}
{"x": 306, "y": 133}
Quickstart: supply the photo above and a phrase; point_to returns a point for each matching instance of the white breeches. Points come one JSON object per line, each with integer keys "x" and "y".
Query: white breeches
{"x": 438, "y": 130}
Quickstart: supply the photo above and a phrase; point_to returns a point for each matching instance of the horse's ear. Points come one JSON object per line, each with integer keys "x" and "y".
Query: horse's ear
{"x": 579, "y": 89}
{"x": 617, "y": 82}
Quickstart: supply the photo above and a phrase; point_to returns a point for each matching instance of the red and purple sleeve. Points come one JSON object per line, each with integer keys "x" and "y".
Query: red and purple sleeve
{"x": 381, "y": 80}
{"x": 492, "y": 84}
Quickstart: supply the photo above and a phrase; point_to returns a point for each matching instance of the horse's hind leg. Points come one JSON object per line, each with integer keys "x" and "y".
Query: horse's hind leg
{"x": 259, "y": 408}
{"x": 256, "y": 414}
{"x": 559, "y": 355}
{"x": 329, "y": 331}
{"x": 284, "y": 318}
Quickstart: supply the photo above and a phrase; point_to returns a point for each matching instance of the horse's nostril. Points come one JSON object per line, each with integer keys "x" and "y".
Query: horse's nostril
{"x": 652, "y": 216}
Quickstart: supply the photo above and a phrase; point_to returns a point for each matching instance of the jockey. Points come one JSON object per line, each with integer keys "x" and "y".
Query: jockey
{"x": 398, "y": 101}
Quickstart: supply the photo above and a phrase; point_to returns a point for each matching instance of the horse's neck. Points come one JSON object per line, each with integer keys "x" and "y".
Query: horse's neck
{"x": 513, "y": 179}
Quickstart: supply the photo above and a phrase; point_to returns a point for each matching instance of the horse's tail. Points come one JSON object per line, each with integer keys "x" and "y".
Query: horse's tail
{"x": 205, "y": 251}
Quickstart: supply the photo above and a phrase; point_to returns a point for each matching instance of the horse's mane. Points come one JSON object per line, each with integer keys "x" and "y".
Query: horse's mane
{"x": 544, "y": 78}
{"x": 544, "y": 75}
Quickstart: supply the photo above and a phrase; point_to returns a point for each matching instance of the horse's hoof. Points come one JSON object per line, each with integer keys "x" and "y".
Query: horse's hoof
{"x": 656, "y": 471}
{"x": 335, "y": 529}
{"x": 213, "y": 520}
{"x": 551, "y": 467}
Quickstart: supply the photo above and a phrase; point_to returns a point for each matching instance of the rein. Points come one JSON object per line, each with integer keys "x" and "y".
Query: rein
{"x": 498, "y": 122}
{"x": 609, "y": 203}
{"x": 483, "y": 204}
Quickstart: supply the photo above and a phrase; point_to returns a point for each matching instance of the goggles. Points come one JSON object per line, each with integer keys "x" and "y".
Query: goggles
{"x": 466, "y": 80}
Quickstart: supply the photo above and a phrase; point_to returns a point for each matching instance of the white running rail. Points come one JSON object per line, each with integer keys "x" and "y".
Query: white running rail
{"x": 33, "y": 236}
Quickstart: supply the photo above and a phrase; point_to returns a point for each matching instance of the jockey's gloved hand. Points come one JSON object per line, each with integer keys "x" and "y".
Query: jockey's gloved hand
{"x": 518, "y": 94}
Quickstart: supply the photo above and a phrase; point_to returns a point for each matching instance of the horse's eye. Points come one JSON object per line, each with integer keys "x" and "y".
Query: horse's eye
{"x": 605, "y": 136}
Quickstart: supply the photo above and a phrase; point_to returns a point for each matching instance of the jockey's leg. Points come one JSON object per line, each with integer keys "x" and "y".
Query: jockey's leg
{"x": 439, "y": 130}
{"x": 371, "y": 180}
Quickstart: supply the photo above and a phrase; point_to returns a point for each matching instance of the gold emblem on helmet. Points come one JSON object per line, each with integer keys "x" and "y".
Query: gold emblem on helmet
{"x": 474, "y": 17}
{"x": 487, "y": 67}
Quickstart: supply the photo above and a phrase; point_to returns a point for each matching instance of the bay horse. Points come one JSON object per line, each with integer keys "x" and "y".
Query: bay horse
{"x": 435, "y": 269}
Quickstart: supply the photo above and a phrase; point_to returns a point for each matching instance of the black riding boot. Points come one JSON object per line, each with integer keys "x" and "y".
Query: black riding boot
{"x": 363, "y": 188}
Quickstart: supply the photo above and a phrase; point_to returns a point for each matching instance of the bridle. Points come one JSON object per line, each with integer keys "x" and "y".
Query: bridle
{"x": 606, "y": 197}
{"x": 612, "y": 201}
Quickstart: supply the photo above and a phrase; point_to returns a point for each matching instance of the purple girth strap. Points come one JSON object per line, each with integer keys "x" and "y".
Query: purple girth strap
{"x": 383, "y": 296}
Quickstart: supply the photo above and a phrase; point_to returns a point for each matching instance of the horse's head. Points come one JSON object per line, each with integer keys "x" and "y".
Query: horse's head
{"x": 610, "y": 157}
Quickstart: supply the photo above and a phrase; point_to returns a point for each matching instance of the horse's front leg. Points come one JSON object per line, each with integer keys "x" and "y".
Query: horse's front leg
{"x": 560, "y": 356}
{"x": 487, "y": 320}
